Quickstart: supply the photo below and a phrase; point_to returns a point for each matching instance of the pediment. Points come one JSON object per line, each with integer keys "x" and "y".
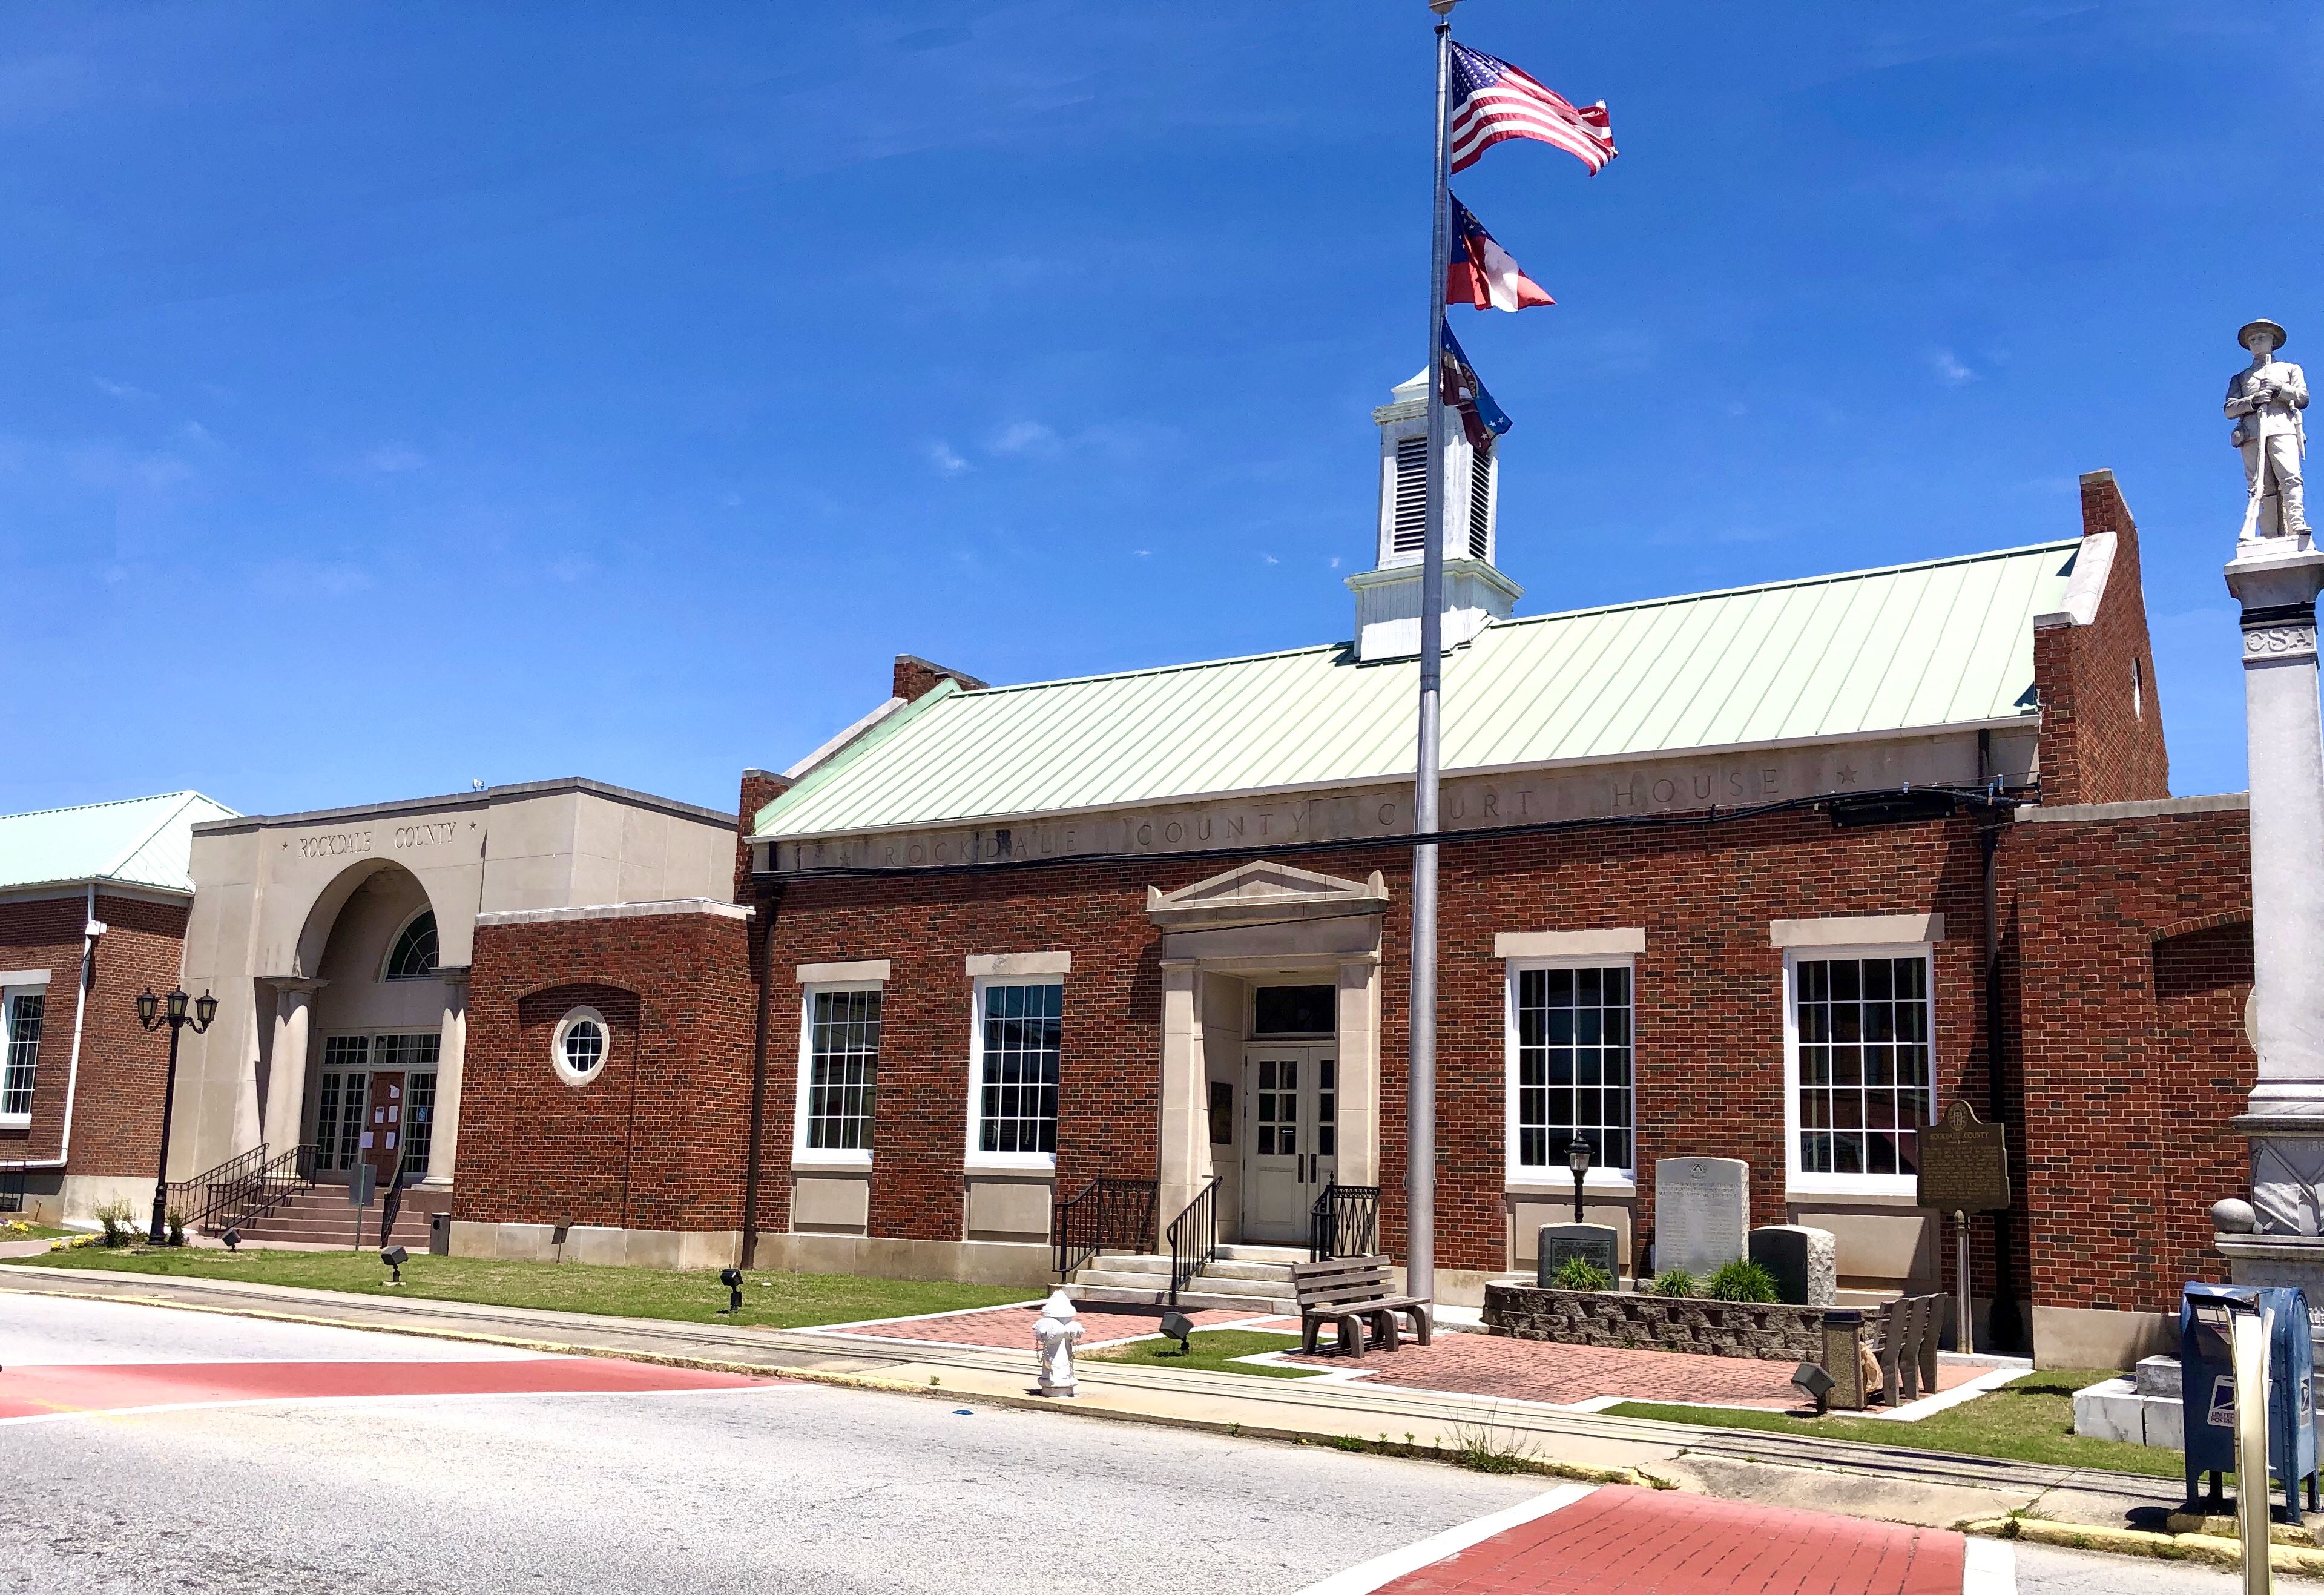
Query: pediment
{"x": 1261, "y": 892}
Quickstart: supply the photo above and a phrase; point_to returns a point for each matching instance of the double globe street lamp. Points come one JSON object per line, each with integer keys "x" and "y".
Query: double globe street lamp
{"x": 153, "y": 1013}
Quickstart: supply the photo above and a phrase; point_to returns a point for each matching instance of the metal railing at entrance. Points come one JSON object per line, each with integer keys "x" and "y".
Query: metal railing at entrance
{"x": 1344, "y": 1222}
{"x": 1108, "y": 1211}
{"x": 1193, "y": 1237}
{"x": 243, "y": 1189}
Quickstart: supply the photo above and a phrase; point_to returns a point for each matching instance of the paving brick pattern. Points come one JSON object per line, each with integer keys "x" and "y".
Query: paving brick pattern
{"x": 1535, "y": 1370}
{"x": 1007, "y": 1327}
{"x": 1618, "y": 1539}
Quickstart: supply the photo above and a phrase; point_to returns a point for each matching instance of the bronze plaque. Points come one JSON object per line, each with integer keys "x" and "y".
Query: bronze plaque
{"x": 1964, "y": 1163}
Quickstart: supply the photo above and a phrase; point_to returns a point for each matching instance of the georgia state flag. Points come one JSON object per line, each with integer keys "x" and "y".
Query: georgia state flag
{"x": 1481, "y": 273}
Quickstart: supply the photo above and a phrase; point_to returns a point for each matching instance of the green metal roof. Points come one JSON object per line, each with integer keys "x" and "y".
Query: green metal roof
{"x": 1905, "y": 648}
{"x": 137, "y": 842}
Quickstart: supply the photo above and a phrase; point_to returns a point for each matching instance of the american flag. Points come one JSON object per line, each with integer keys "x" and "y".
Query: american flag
{"x": 1493, "y": 101}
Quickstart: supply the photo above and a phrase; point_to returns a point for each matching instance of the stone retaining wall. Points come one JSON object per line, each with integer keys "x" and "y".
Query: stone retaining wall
{"x": 1771, "y": 1333}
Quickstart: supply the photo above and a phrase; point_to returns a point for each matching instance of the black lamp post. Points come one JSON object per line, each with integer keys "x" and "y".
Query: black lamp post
{"x": 1577, "y": 1158}
{"x": 153, "y": 1013}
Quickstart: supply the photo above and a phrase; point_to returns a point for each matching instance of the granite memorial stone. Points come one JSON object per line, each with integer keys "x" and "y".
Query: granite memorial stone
{"x": 1805, "y": 1262}
{"x": 1596, "y": 1244}
{"x": 1703, "y": 1208}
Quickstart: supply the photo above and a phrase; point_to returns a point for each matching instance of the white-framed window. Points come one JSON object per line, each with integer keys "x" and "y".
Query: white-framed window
{"x": 412, "y": 956}
{"x": 839, "y": 1074}
{"x": 1569, "y": 1046}
{"x": 1859, "y": 1066}
{"x": 1014, "y": 1036}
{"x": 21, "y": 1010}
{"x": 578, "y": 1045}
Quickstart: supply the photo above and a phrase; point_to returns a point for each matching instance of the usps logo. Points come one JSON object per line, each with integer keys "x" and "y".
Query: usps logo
{"x": 2222, "y": 1414}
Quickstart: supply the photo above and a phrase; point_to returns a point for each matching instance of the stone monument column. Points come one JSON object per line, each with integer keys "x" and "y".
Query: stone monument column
{"x": 2279, "y": 1239}
{"x": 286, "y": 1079}
{"x": 451, "y": 1059}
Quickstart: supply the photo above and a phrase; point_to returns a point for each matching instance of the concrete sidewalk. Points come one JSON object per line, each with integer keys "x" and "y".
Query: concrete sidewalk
{"x": 1779, "y": 1470}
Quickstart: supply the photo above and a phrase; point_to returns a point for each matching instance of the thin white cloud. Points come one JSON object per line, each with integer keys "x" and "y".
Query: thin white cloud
{"x": 1270, "y": 559}
{"x": 732, "y": 501}
{"x": 1951, "y": 371}
{"x": 946, "y": 457}
{"x": 390, "y": 458}
{"x": 118, "y": 390}
{"x": 1029, "y": 438}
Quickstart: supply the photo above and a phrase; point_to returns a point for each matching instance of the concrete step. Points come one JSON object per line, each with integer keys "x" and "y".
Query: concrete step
{"x": 1126, "y": 1279}
{"x": 1195, "y": 1299}
{"x": 1123, "y": 1263}
{"x": 1285, "y": 1254}
{"x": 1219, "y": 1284}
{"x": 1228, "y": 1268}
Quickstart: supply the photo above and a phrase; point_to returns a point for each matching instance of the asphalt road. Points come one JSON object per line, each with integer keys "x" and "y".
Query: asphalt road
{"x": 771, "y": 1488}
{"x": 780, "y": 1488}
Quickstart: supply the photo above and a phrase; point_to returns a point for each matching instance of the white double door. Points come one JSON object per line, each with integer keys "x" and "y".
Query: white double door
{"x": 1290, "y": 1135}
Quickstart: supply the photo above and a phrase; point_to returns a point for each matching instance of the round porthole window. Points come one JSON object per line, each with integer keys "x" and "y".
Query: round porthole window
{"x": 578, "y": 1047}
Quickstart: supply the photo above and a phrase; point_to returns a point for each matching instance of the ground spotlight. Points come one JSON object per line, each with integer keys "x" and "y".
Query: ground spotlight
{"x": 1178, "y": 1326}
{"x": 1816, "y": 1384}
{"x": 233, "y": 1238}
{"x": 732, "y": 1278}
{"x": 395, "y": 1256}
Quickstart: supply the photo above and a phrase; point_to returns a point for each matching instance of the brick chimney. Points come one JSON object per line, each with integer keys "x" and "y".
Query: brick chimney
{"x": 915, "y": 677}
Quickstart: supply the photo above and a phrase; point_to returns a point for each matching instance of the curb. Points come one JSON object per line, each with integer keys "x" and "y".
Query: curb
{"x": 2133, "y": 1542}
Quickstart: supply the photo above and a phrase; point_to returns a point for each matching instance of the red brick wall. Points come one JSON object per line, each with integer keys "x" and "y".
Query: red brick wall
{"x": 117, "y": 1110}
{"x": 2135, "y": 940}
{"x": 1709, "y": 997}
{"x": 657, "y": 1140}
{"x": 2101, "y": 716}
{"x": 760, "y": 788}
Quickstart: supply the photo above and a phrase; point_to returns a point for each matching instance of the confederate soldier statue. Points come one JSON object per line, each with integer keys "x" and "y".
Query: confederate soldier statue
{"x": 2264, "y": 400}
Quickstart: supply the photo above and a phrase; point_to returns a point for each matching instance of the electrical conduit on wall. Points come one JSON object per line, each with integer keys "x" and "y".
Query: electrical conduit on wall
{"x": 89, "y": 933}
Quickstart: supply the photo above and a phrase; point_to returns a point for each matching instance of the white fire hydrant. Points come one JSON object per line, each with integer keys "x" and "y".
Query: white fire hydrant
{"x": 1055, "y": 1332}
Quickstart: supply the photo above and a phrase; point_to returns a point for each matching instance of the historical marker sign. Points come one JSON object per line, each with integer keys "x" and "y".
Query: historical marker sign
{"x": 1964, "y": 1163}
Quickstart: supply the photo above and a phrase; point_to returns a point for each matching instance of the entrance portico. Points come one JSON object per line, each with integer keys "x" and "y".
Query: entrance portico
{"x": 1270, "y": 1044}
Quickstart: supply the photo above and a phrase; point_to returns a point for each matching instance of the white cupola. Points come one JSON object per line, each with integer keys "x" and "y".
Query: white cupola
{"x": 1388, "y": 597}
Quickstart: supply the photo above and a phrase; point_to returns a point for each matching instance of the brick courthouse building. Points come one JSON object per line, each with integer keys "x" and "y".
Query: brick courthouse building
{"x": 1767, "y": 873}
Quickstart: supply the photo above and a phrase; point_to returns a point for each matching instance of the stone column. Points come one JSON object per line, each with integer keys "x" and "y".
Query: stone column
{"x": 2285, "y": 1116}
{"x": 1357, "y": 977}
{"x": 1183, "y": 1163}
{"x": 451, "y": 1055}
{"x": 286, "y": 1079}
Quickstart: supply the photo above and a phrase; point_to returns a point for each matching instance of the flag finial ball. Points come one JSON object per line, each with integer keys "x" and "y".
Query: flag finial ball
{"x": 1443, "y": 7}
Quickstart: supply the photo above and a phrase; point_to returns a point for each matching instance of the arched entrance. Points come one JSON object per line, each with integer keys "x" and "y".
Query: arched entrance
{"x": 368, "y": 1034}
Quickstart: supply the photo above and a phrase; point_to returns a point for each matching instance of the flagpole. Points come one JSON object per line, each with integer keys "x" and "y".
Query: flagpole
{"x": 1420, "y": 1172}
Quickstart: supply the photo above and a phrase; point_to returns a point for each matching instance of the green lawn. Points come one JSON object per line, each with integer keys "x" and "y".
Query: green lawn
{"x": 2029, "y": 1420}
{"x": 24, "y": 1229}
{"x": 1213, "y": 1351}
{"x": 779, "y": 1301}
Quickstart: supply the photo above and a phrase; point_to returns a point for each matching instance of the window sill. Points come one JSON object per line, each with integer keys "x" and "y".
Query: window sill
{"x": 1530, "y": 1181}
{"x": 1006, "y": 1161}
{"x": 830, "y": 1161}
{"x": 1850, "y": 1185}
{"x": 15, "y": 1121}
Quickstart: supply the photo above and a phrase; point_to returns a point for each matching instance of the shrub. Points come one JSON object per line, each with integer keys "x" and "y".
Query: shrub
{"x": 120, "y": 1221}
{"x": 1675, "y": 1282}
{"x": 177, "y": 1222}
{"x": 1580, "y": 1274}
{"x": 1742, "y": 1281}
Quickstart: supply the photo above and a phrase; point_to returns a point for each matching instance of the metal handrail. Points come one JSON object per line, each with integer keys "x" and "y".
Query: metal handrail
{"x": 1193, "y": 1237}
{"x": 1344, "y": 1222}
{"x": 248, "y": 1188}
{"x": 1108, "y": 1211}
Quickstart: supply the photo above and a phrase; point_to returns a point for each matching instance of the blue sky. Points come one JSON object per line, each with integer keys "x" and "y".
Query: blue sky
{"x": 393, "y": 396}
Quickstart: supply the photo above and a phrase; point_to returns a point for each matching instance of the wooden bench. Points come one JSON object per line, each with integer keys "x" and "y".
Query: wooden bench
{"x": 1353, "y": 1292}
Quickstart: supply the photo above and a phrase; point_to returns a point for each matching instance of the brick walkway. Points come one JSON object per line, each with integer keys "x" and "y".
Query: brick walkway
{"x": 1541, "y": 1370}
{"x": 1618, "y": 1539}
{"x": 1011, "y": 1326}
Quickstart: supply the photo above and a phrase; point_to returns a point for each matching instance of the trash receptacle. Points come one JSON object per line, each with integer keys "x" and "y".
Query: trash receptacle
{"x": 2208, "y": 1391}
{"x": 439, "y": 1234}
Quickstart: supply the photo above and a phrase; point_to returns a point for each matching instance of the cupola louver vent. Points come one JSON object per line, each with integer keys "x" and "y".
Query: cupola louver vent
{"x": 1410, "y": 535}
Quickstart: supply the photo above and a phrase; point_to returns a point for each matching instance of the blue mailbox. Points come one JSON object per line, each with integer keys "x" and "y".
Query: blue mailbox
{"x": 2208, "y": 1391}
